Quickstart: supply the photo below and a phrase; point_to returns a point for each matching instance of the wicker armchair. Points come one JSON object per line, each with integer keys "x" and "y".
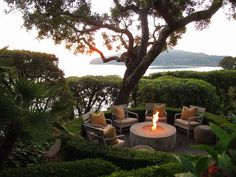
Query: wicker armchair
{"x": 149, "y": 112}
{"x": 127, "y": 121}
{"x": 97, "y": 133}
{"x": 189, "y": 124}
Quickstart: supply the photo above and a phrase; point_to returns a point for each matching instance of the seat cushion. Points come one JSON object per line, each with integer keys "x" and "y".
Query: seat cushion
{"x": 126, "y": 122}
{"x": 184, "y": 124}
{"x": 110, "y": 132}
{"x": 98, "y": 119}
{"x": 161, "y": 109}
{"x": 119, "y": 111}
{"x": 188, "y": 112}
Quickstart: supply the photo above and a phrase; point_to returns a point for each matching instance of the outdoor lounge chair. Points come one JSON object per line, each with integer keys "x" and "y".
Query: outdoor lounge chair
{"x": 98, "y": 135}
{"x": 188, "y": 119}
{"x": 104, "y": 134}
{"x": 149, "y": 111}
{"x": 122, "y": 118}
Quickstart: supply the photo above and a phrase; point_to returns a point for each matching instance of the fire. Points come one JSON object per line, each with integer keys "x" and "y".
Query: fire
{"x": 154, "y": 120}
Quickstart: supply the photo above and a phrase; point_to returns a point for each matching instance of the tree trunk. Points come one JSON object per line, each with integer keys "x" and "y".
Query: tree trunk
{"x": 129, "y": 82}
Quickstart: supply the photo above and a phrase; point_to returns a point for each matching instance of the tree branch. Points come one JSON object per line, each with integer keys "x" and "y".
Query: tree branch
{"x": 104, "y": 59}
{"x": 201, "y": 15}
{"x": 161, "y": 8}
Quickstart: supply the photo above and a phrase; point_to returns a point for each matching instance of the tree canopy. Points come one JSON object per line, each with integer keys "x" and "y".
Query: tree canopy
{"x": 228, "y": 62}
{"x": 142, "y": 29}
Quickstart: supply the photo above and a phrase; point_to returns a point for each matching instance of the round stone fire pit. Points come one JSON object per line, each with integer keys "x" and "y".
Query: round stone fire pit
{"x": 162, "y": 138}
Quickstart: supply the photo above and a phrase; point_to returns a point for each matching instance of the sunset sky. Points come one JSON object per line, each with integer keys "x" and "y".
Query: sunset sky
{"x": 218, "y": 39}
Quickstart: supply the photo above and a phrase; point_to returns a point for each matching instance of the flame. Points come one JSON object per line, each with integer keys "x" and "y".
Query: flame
{"x": 154, "y": 120}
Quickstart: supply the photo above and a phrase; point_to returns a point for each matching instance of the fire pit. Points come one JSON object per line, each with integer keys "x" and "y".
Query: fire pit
{"x": 158, "y": 135}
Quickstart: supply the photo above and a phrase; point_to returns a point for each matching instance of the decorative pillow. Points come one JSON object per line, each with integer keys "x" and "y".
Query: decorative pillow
{"x": 110, "y": 132}
{"x": 119, "y": 111}
{"x": 161, "y": 109}
{"x": 98, "y": 118}
{"x": 188, "y": 112}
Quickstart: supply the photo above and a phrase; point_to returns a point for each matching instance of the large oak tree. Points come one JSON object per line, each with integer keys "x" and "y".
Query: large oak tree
{"x": 142, "y": 28}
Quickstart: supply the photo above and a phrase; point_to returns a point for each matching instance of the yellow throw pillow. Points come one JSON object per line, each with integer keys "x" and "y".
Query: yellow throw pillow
{"x": 161, "y": 109}
{"x": 187, "y": 113}
{"x": 119, "y": 111}
{"x": 98, "y": 118}
{"x": 110, "y": 132}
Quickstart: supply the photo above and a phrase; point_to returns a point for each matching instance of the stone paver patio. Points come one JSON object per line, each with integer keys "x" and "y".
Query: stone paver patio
{"x": 182, "y": 144}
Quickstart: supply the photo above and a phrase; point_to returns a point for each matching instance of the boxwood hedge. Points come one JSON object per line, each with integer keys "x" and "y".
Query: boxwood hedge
{"x": 80, "y": 168}
{"x": 78, "y": 148}
{"x": 178, "y": 92}
{"x": 168, "y": 169}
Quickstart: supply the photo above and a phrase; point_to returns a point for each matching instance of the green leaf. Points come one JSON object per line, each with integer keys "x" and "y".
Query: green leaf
{"x": 201, "y": 166}
{"x": 226, "y": 164}
{"x": 232, "y": 154}
{"x": 232, "y": 140}
{"x": 207, "y": 148}
{"x": 224, "y": 138}
{"x": 187, "y": 164}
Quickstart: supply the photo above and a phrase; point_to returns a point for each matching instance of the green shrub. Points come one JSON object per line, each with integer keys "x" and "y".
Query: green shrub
{"x": 168, "y": 169}
{"x": 93, "y": 91}
{"x": 81, "y": 168}
{"x": 79, "y": 148}
{"x": 177, "y": 92}
{"x": 221, "y": 121}
{"x": 26, "y": 154}
{"x": 223, "y": 80}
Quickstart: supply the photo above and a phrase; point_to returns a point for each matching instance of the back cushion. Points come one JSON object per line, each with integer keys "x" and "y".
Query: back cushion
{"x": 110, "y": 132}
{"x": 119, "y": 111}
{"x": 188, "y": 112}
{"x": 98, "y": 118}
{"x": 161, "y": 109}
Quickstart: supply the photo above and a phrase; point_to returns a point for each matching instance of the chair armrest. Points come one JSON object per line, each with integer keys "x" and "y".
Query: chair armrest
{"x": 166, "y": 114}
{"x": 133, "y": 113}
{"x": 93, "y": 125}
{"x": 177, "y": 115}
{"x": 196, "y": 118}
{"x": 146, "y": 113}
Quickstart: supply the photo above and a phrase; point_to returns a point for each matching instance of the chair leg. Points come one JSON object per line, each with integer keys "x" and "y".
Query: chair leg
{"x": 188, "y": 133}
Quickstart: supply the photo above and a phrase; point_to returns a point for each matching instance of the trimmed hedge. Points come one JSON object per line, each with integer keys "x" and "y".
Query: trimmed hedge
{"x": 165, "y": 170}
{"x": 222, "y": 79}
{"x": 125, "y": 158}
{"x": 81, "y": 168}
{"x": 178, "y": 92}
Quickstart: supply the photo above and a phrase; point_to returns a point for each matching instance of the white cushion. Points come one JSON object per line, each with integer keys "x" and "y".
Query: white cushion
{"x": 184, "y": 124}
{"x": 126, "y": 122}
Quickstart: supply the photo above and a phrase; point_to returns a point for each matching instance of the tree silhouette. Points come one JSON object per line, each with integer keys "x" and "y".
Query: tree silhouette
{"x": 142, "y": 29}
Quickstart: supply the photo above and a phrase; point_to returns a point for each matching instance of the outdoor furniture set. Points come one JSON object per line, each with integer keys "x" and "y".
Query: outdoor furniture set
{"x": 161, "y": 137}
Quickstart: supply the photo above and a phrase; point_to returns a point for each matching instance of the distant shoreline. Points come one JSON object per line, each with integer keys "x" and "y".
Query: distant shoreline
{"x": 176, "y": 67}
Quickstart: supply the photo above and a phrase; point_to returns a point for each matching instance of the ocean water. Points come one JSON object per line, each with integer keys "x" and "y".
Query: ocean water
{"x": 119, "y": 70}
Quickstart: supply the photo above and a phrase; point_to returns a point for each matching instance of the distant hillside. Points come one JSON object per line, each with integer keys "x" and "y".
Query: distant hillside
{"x": 177, "y": 57}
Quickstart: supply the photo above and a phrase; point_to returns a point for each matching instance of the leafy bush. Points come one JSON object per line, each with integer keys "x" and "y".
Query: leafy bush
{"x": 93, "y": 91}
{"x": 79, "y": 148}
{"x": 166, "y": 170}
{"x": 26, "y": 154}
{"x": 221, "y": 159}
{"x": 81, "y": 168}
{"x": 177, "y": 92}
{"x": 222, "y": 80}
